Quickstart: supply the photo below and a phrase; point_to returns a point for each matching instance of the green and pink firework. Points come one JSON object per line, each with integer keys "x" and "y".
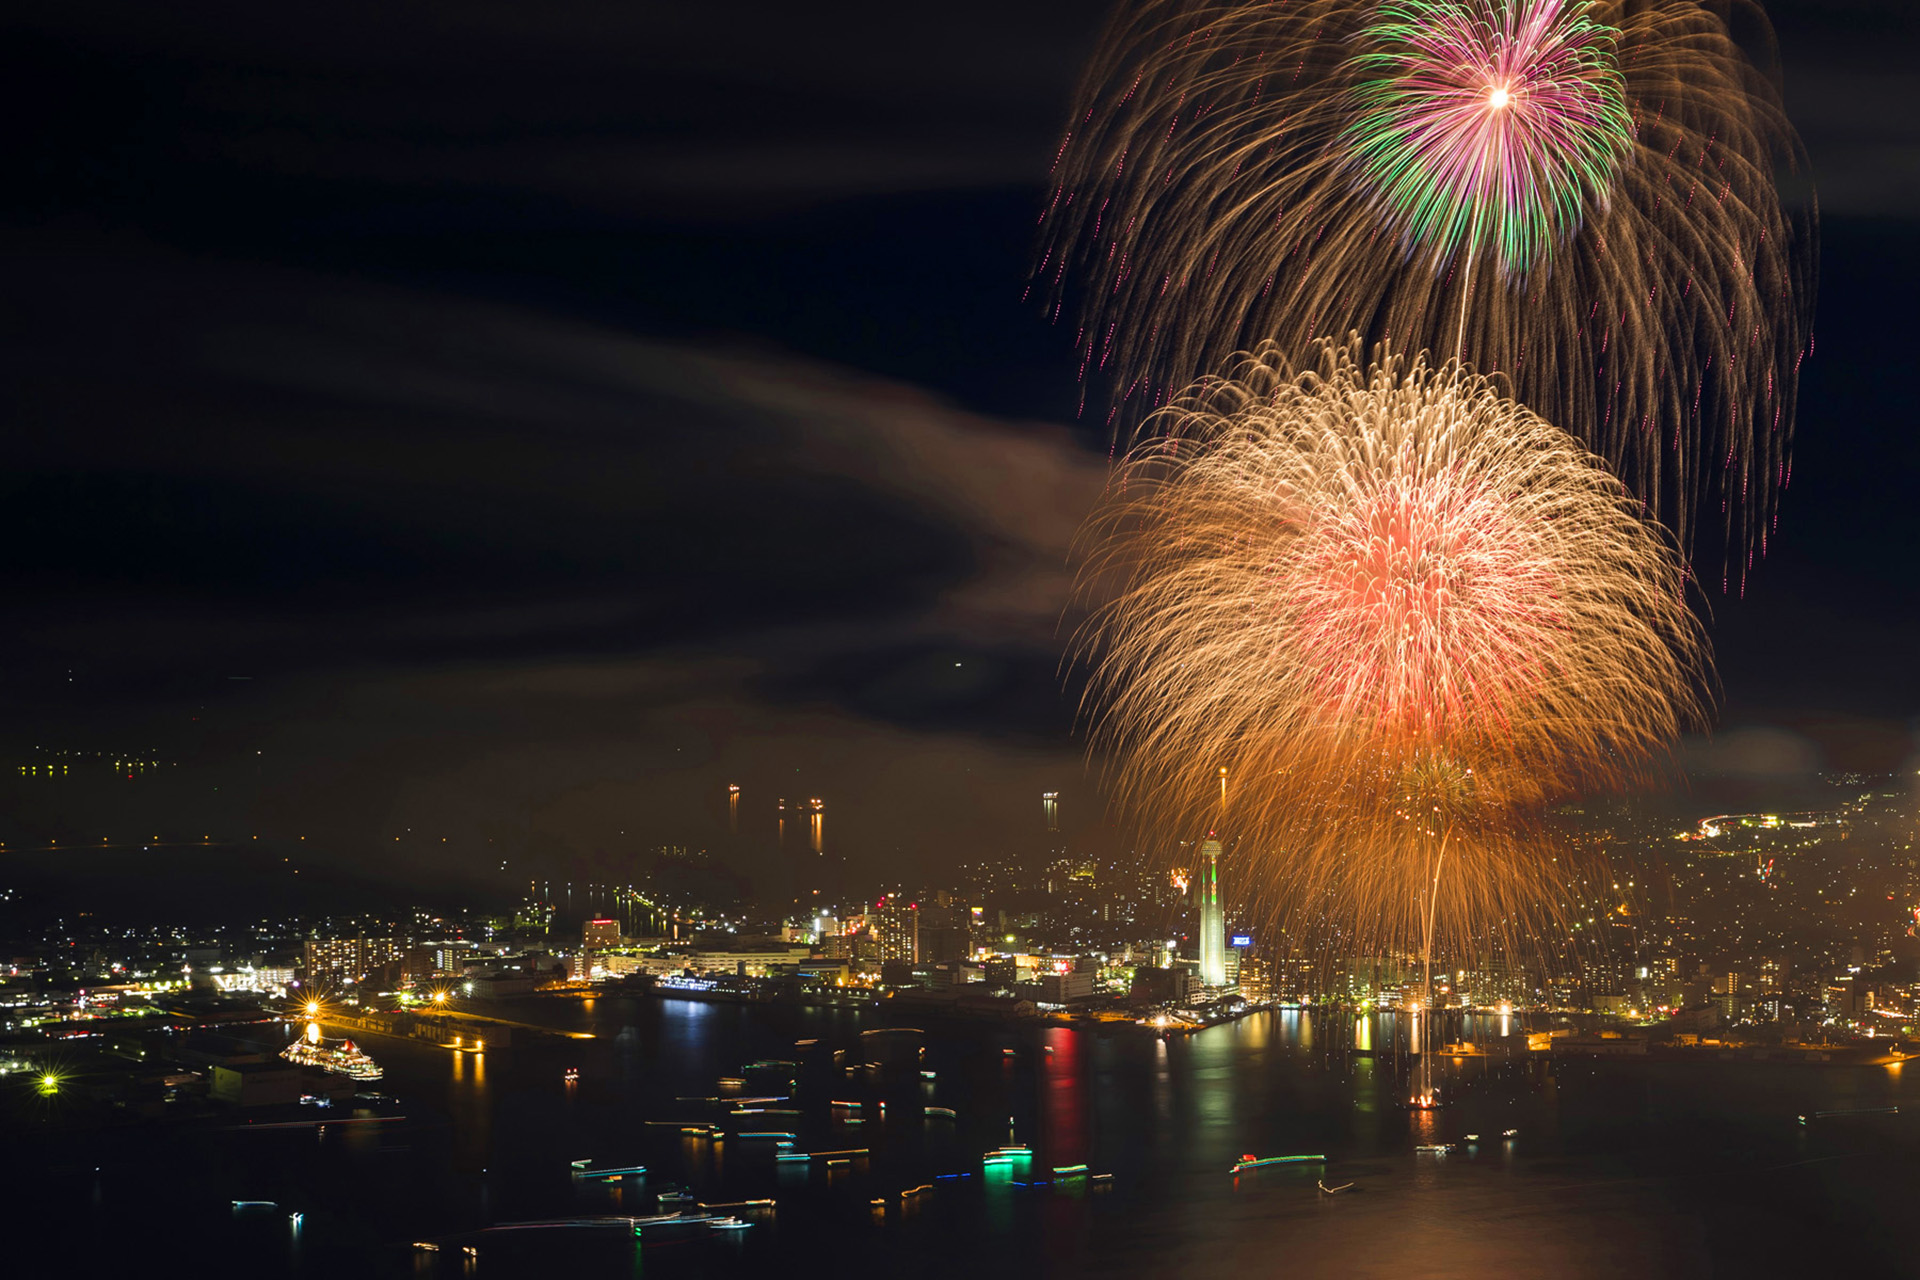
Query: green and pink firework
{"x": 1600, "y": 201}
{"x": 1489, "y": 128}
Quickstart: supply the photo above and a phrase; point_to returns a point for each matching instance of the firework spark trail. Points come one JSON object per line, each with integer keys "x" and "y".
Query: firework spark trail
{"x": 1401, "y": 609}
{"x": 1611, "y": 237}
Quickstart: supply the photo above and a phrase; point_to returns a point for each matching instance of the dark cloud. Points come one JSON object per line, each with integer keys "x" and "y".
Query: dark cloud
{"x": 455, "y": 543}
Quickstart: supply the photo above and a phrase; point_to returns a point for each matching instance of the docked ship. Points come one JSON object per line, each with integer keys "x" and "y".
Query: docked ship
{"x": 343, "y": 1059}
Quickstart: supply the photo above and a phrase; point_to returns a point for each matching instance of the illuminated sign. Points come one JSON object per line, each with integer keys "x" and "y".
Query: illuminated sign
{"x": 1242, "y": 939}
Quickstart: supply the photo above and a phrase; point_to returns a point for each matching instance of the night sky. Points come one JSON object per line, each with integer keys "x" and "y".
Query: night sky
{"x": 504, "y": 423}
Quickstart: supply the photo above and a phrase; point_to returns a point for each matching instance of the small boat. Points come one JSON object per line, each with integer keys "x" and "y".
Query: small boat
{"x": 792, "y": 1157}
{"x": 1852, "y": 1111}
{"x": 1433, "y": 1148}
{"x": 585, "y": 1169}
{"x": 945, "y": 1113}
{"x": 675, "y": 1197}
{"x": 1260, "y": 1162}
{"x": 728, "y": 1224}
{"x": 1509, "y": 1133}
{"x": 926, "y": 1075}
{"x": 1473, "y": 1137}
{"x": 1334, "y": 1191}
{"x": 573, "y": 1075}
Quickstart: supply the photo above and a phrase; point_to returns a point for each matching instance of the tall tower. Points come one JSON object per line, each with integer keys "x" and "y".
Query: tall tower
{"x": 1050, "y": 806}
{"x": 1213, "y": 916}
{"x": 733, "y": 808}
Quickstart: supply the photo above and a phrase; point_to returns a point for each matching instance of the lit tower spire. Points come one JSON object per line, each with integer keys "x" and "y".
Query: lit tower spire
{"x": 1213, "y": 916}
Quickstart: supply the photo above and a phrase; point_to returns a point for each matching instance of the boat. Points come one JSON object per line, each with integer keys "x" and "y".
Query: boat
{"x": 573, "y": 1075}
{"x": 1433, "y": 1148}
{"x": 728, "y": 1224}
{"x": 1473, "y": 1137}
{"x": 586, "y": 1169}
{"x": 674, "y": 1197}
{"x": 1852, "y": 1111}
{"x": 342, "y": 1059}
{"x": 1260, "y": 1162}
{"x": 1509, "y": 1133}
{"x": 945, "y": 1113}
{"x": 1334, "y": 1191}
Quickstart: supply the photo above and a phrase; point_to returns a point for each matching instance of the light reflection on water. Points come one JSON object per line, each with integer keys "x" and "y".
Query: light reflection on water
{"x": 1649, "y": 1168}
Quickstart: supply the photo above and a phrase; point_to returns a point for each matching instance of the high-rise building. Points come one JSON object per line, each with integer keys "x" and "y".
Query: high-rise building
{"x": 598, "y": 935}
{"x": 1050, "y": 806}
{"x": 336, "y": 961}
{"x": 896, "y": 928}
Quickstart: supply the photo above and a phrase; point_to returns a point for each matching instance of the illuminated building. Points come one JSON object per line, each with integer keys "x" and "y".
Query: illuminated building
{"x": 337, "y": 961}
{"x": 598, "y": 935}
{"x": 896, "y": 928}
{"x": 1213, "y": 919}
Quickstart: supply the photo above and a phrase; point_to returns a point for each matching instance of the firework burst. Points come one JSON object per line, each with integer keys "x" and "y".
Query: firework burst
{"x": 1582, "y": 198}
{"x": 1488, "y": 128}
{"x": 1405, "y": 612}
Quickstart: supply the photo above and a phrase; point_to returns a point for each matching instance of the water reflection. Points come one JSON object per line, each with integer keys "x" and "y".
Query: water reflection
{"x": 1585, "y": 1192}
{"x": 1063, "y": 1125}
